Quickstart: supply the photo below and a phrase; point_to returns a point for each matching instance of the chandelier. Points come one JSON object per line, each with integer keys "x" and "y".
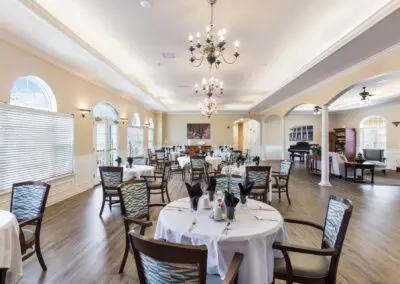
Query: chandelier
{"x": 211, "y": 87}
{"x": 214, "y": 46}
{"x": 208, "y": 107}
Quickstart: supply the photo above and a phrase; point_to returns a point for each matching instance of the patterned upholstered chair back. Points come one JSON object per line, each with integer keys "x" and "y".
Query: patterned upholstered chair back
{"x": 336, "y": 222}
{"x": 163, "y": 263}
{"x": 197, "y": 163}
{"x": 259, "y": 175}
{"x": 111, "y": 177}
{"x": 28, "y": 200}
{"x": 135, "y": 198}
{"x": 140, "y": 161}
{"x": 160, "y": 155}
{"x": 285, "y": 167}
{"x": 222, "y": 183}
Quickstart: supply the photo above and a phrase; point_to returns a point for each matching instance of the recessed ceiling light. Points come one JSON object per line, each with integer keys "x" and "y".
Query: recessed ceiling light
{"x": 145, "y": 4}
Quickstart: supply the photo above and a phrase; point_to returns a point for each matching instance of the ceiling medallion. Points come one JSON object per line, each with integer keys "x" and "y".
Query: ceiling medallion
{"x": 208, "y": 107}
{"x": 211, "y": 87}
{"x": 214, "y": 47}
{"x": 365, "y": 96}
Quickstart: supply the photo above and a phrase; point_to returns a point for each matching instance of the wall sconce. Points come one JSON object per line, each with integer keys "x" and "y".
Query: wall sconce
{"x": 84, "y": 111}
{"x": 396, "y": 123}
{"x": 146, "y": 124}
{"x": 123, "y": 120}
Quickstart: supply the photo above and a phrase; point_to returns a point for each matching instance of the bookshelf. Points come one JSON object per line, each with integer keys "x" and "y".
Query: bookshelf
{"x": 344, "y": 142}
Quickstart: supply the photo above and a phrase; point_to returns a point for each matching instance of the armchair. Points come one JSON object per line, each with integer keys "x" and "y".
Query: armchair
{"x": 158, "y": 183}
{"x": 375, "y": 157}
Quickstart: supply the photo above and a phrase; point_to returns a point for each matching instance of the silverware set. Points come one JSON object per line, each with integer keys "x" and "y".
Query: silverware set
{"x": 264, "y": 219}
{"x": 226, "y": 229}
{"x": 192, "y": 226}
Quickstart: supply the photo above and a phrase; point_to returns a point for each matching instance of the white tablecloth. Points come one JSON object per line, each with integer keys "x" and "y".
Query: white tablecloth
{"x": 10, "y": 250}
{"x": 174, "y": 155}
{"x": 214, "y": 161}
{"x": 138, "y": 170}
{"x": 241, "y": 171}
{"x": 253, "y": 238}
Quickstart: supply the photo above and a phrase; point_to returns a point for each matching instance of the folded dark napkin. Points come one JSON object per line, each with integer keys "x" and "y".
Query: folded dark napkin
{"x": 195, "y": 190}
{"x": 230, "y": 199}
{"x": 246, "y": 189}
{"x": 212, "y": 184}
{"x": 211, "y": 153}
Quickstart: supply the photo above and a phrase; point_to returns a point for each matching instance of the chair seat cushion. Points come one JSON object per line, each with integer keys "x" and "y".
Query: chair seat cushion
{"x": 257, "y": 191}
{"x": 378, "y": 165}
{"x": 28, "y": 235}
{"x": 154, "y": 184}
{"x": 305, "y": 265}
{"x": 281, "y": 183}
{"x": 112, "y": 192}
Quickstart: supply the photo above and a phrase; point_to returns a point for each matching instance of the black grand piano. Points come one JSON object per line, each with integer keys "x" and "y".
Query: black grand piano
{"x": 300, "y": 150}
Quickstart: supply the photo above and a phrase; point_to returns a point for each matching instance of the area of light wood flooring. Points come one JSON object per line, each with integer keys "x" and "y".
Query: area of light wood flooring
{"x": 80, "y": 247}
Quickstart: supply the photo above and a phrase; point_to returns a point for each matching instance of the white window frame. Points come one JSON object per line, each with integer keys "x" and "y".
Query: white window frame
{"x": 379, "y": 132}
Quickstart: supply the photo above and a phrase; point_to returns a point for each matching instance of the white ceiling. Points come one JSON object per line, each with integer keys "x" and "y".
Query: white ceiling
{"x": 279, "y": 41}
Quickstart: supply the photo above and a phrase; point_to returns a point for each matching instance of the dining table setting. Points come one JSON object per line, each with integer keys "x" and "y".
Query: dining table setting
{"x": 226, "y": 224}
{"x": 136, "y": 171}
{"x": 10, "y": 250}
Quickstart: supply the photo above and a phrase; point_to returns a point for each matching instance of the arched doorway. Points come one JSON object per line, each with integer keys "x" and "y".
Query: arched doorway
{"x": 106, "y": 119}
{"x": 247, "y": 136}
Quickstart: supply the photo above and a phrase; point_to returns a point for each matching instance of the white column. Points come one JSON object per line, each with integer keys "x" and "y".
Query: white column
{"x": 284, "y": 149}
{"x": 325, "y": 148}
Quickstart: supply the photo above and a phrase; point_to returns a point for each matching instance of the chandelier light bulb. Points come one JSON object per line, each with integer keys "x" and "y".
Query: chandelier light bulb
{"x": 224, "y": 31}
{"x": 221, "y": 38}
{"x": 208, "y": 28}
{"x": 196, "y": 86}
{"x": 198, "y": 35}
{"x": 190, "y": 37}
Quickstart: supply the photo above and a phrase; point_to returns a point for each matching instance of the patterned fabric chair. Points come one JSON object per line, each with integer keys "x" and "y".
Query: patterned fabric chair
{"x": 222, "y": 183}
{"x": 260, "y": 175}
{"x": 158, "y": 184}
{"x": 316, "y": 265}
{"x": 176, "y": 168}
{"x": 28, "y": 201}
{"x": 111, "y": 178}
{"x": 135, "y": 197}
{"x": 151, "y": 157}
{"x": 282, "y": 179}
{"x": 196, "y": 167}
{"x": 164, "y": 263}
{"x": 160, "y": 159}
{"x": 139, "y": 161}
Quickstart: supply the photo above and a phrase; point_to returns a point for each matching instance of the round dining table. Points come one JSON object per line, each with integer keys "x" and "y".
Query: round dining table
{"x": 255, "y": 228}
{"x": 10, "y": 250}
{"x": 214, "y": 161}
{"x": 137, "y": 171}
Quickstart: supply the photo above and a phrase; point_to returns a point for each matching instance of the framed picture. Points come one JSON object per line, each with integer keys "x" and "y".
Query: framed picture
{"x": 198, "y": 131}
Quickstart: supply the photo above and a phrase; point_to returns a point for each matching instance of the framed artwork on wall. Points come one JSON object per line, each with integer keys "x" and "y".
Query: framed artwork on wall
{"x": 301, "y": 133}
{"x": 198, "y": 131}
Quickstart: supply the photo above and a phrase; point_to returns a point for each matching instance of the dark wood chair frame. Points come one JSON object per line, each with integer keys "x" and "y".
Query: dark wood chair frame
{"x": 177, "y": 253}
{"x": 325, "y": 250}
{"x": 160, "y": 162}
{"x": 176, "y": 168}
{"x": 196, "y": 171}
{"x": 142, "y": 221}
{"x": 3, "y": 274}
{"x": 282, "y": 188}
{"x": 35, "y": 221}
{"x": 164, "y": 175}
{"x": 264, "y": 196}
{"x": 151, "y": 157}
{"x": 104, "y": 188}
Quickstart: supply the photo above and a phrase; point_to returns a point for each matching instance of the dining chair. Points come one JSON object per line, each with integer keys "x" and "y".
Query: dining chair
{"x": 316, "y": 265}
{"x": 111, "y": 178}
{"x": 158, "y": 183}
{"x": 151, "y": 157}
{"x": 28, "y": 202}
{"x": 176, "y": 168}
{"x": 160, "y": 159}
{"x": 282, "y": 179}
{"x": 260, "y": 175}
{"x": 222, "y": 183}
{"x": 163, "y": 262}
{"x": 140, "y": 160}
{"x": 196, "y": 167}
{"x": 135, "y": 210}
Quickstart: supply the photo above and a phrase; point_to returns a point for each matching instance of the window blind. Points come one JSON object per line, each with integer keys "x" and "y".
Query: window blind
{"x": 34, "y": 145}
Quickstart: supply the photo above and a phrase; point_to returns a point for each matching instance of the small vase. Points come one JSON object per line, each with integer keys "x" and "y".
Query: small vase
{"x": 243, "y": 200}
{"x": 230, "y": 213}
{"x": 130, "y": 164}
{"x": 211, "y": 195}
{"x": 194, "y": 203}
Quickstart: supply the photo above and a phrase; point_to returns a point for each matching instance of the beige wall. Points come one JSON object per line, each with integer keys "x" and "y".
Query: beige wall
{"x": 71, "y": 92}
{"x": 176, "y": 127}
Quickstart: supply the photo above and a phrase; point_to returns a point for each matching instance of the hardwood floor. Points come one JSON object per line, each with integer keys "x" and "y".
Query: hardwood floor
{"x": 80, "y": 247}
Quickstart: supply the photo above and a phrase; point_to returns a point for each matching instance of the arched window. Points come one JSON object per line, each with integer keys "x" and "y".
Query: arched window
{"x": 136, "y": 119}
{"x": 373, "y": 133}
{"x": 105, "y": 111}
{"x": 33, "y": 92}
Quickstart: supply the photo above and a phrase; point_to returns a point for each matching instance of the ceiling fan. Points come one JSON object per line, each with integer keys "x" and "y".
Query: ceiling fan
{"x": 365, "y": 96}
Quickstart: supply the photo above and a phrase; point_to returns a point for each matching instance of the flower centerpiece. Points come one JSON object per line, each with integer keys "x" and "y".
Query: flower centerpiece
{"x": 360, "y": 158}
{"x": 256, "y": 160}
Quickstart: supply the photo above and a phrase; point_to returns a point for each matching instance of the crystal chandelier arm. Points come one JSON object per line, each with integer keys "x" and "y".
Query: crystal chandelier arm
{"x": 200, "y": 59}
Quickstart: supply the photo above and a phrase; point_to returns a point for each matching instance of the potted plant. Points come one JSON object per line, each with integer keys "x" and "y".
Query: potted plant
{"x": 316, "y": 151}
{"x": 256, "y": 160}
{"x": 360, "y": 158}
{"x": 119, "y": 161}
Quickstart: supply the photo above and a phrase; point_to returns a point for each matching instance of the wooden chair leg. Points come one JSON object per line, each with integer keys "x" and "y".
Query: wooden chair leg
{"x": 166, "y": 191}
{"x": 3, "y": 274}
{"x": 121, "y": 269}
{"x": 37, "y": 248}
{"x": 288, "y": 198}
{"x": 279, "y": 193}
{"x": 102, "y": 205}
{"x": 162, "y": 196}
{"x": 109, "y": 202}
